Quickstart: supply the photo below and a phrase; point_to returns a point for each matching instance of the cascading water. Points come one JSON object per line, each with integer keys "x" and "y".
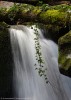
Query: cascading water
{"x": 28, "y": 85}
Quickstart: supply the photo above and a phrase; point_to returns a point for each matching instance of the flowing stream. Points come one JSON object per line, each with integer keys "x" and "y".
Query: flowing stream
{"x": 28, "y": 85}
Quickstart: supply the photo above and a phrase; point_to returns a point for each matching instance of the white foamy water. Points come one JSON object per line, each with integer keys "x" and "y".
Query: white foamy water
{"x": 28, "y": 85}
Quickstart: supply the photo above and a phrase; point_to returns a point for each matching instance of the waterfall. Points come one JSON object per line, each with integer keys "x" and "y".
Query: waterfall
{"x": 28, "y": 85}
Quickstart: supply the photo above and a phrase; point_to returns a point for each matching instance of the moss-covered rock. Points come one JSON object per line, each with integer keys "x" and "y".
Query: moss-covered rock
{"x": 65, "y": 39}
{"x": 65, "y": 54}
{"x": 54, "y": 17}
{"x": 44, "y": 14}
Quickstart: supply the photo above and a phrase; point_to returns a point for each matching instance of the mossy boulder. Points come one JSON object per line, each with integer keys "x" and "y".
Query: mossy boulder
{"x": 43, "y": 14}
{"x": 54, "y": 17}
{"x": 65, "y": 53}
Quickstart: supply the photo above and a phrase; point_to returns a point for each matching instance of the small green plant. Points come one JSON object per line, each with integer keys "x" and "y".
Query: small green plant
{"x": 13, "y": 11}
{"x": 40, "y": 66}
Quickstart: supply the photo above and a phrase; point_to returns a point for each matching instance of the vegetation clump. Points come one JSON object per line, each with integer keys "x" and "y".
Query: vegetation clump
{"x": 40, "y": 62}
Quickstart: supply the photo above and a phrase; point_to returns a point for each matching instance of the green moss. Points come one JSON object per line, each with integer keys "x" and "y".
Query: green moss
{"x": 30, "y": 12}
{"x": 24, "y": 8}
{"x": 65, "y": 51}
{"x": 36, "y": 10}
{"x": 54, "y": 16}
{"x": 61, "y": 7}
{"x": 65, "y": 39}
{"x": 64, "y": 61}
{"x": 45, "y": 7}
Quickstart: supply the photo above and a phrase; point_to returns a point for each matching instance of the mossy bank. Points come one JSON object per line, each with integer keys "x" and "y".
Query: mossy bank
{"x": 56, "y": 15}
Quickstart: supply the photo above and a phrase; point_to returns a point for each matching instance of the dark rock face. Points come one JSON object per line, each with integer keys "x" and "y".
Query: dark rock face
{"x": 6, "y": 65}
